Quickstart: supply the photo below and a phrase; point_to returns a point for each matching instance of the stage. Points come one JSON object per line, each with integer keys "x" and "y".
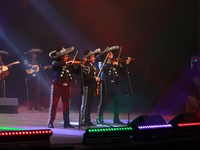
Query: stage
{"x": 72, "y": 138}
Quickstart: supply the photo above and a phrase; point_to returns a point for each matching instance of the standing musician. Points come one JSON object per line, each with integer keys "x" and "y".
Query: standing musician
{"x": 89, "y": 86}
{"x": 3, "y": 54}
{"x": 32, "y": 80}
{"x": 63, "y": 70}
{"x": 109, "y": 84}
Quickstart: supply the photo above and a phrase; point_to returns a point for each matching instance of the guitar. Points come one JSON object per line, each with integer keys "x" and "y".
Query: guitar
{"x": 36, "y": 68}
{"x": 4, "y": 69}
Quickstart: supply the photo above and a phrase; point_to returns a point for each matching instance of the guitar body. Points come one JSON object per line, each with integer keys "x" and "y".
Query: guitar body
{"x": 4, "y": 74}
{"x": 4, "y": 69}
{"x": 37, "y": 69}
{"x": 31, "y": 71}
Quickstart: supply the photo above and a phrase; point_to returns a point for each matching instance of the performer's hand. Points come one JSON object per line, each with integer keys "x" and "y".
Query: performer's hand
{"x": 45, "y": 67}
{"x": 128, "y": 60}
{"x": 69, "y": 62}
{"x": 34, "y": 66}
{"x": 115, "y": 63}
{"x": 97, "y": 79}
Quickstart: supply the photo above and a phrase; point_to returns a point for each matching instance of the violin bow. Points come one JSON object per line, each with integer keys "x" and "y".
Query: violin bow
{"x": 75, "y": 55}
{"x": 102, "y": 65}
{"x": 119, "y": 54}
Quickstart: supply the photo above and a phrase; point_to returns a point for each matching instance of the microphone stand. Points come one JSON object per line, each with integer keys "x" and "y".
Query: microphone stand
{"x": 130, "y": 89}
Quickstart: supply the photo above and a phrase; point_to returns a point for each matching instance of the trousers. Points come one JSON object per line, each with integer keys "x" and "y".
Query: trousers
{"x": 107, "y": 93}
{"x": 86, "y": 103}
{"x": 59, "y": 91}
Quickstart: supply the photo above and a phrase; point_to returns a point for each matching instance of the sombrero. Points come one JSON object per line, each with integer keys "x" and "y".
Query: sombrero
{"x": 60, "y": 51}
{"x": 34, "y": 51}
{"x": 4, "y": 53}
{"x": 89, "y": 53}
{"x": 107, "y": 50}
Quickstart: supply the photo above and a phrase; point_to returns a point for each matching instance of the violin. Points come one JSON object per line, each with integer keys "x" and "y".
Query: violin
{"x": 120, "y": 60}
{"x": 75, "y": 62}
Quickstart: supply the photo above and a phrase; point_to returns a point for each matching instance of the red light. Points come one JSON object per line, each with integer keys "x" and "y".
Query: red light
{"x": 28, "y": 132}
{"x": 188, "y": 124}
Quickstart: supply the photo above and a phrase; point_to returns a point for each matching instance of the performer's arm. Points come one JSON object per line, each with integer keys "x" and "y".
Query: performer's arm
{"x": 76, "y": 69}
{"x": 57, "y": 65}
{"x": 27, "y": 65}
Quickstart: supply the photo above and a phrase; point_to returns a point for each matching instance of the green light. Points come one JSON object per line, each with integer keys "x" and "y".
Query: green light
{"x": 114, "y": 129}
{"x": 10, "y": 128}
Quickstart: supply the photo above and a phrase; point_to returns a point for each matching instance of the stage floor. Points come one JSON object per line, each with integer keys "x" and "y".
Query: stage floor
{"x": 69, "y": 137}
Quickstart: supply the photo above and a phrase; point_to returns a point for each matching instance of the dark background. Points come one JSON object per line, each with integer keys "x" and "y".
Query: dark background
{"x": 164, "y": 33}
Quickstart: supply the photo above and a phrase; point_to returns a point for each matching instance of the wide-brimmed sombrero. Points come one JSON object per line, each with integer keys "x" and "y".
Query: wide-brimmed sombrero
{"x": 60, "y": 52}
{"x": 89, "y": 53}
{"x": 4, "y": 53}
{"x": 107, "y": 50}
{"x": 34, "y": 51}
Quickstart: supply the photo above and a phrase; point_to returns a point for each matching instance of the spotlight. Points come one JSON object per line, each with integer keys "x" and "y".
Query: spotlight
{"x": 148, "y": 127}
{"x": 186, "y": 124}
{"x": 25, "y": 138}
{"x": 107, "y": 135}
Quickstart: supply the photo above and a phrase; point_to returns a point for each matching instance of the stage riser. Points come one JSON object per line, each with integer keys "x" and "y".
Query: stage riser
{"x": 9, "y": 105}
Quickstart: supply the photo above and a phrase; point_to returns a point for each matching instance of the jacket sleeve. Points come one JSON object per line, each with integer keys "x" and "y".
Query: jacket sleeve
{"x": 76, "y": 69}
{"x": 57, "y": 65}
{"x": 27, "y": 65}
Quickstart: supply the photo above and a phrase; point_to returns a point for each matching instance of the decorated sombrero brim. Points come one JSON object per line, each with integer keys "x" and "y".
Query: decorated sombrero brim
{"x": 95, "y": 52}
{"x": 107, "y": 50}
{"x": 34, "y": 51}
{"x": 54, "y": 54}
{"x": 4, "y": 53}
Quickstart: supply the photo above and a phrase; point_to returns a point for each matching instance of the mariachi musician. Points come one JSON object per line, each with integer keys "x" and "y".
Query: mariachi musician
{"x": 3, "y": 73}
{"x": 32, "y": 80}
{"x": 109, "y": 84}
{"x": 2, "y": 82}
{"x": 63, "y": 70}
{"x": 89, "y": 86}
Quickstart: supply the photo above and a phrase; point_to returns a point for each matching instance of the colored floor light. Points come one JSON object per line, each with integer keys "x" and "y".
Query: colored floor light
{"x": 155, "y": 126}
{"x": 107, "y": 135}
{"x": 12, "y": 138}
{"x": 188, "y": 124}
{"x": 113, "y": 129}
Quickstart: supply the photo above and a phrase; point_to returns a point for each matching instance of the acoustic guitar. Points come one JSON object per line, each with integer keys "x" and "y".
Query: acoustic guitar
{"x": 4, "y": 69}
{"x": 36, "y": 68}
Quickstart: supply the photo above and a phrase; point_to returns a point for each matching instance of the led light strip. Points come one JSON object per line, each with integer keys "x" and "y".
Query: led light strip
{"x": 109, "y": 129}
{"x": 155, "y": 126}
{"x": 188, "y": 124}
{"x": 25, "y": 132}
